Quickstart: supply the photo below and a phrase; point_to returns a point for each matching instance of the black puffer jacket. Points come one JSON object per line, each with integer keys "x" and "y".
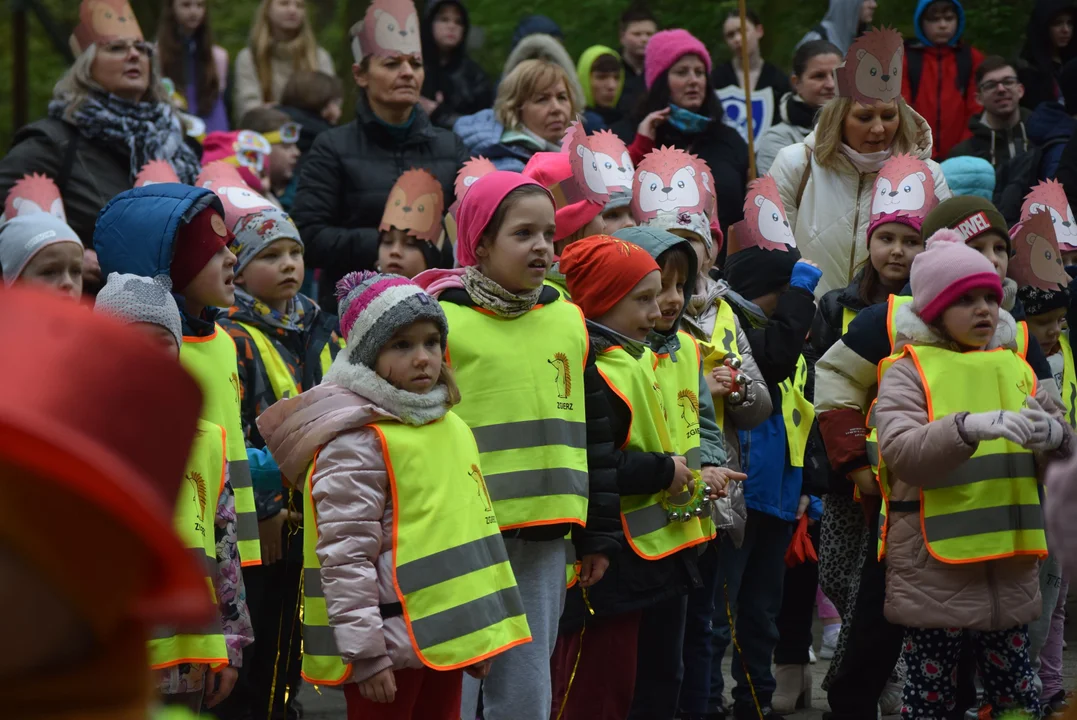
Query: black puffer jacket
{"x": 345, "y": 182}
{"x": 463, "y": 84}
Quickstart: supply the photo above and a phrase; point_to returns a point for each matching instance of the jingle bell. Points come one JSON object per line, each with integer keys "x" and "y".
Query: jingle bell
{"x": 673, "y": 516}
{"x": 741, "y": 379}
{"x": 734, "y": 362}
{"x": 736, "y": 397}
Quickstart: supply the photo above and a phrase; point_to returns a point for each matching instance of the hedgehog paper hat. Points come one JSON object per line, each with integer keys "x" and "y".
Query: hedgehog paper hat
{"x": 34, "y": 193}
{"x": 668, "y": 180}
{"x": 471, "y": 171}
{"x": 765, "y": 224}
{"x": 415, "y": 205}
{"x": 871, "y": 72}
{"x": 1049, "y": 197}
{"x": 586, "y": 182}
{"x": 1036, "y": 260}
{"x": 904, "y": 186}
{"x": 238, "y": 198}
{"x": 156, "y": 172}
{"x": 390, "y": 28}
{"x": 614, "y": 163}
{"x": 102, "y": 21}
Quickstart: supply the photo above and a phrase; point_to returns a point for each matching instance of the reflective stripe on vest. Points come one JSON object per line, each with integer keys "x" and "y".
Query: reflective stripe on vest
{"x": 645, "y": 522}
{"x": 211, "y": 360}
{"x": 678, "y": 380}
{"x": 893, "y": 303}
{"x": 989, "y": 506}
{"x": 1069, "y": 381}
{"x": 522, "y": 385}
{"x": 723, "y": 342}
{"x": 798, "y": 413}
{"x": 193, "y": 519}
{"x": 453, "y": 580}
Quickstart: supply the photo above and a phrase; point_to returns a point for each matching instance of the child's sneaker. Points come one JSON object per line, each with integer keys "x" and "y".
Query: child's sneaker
{"x": 890, "y": 699}
{"x": 812, "y": 658}
{"x": 830, "y": 641}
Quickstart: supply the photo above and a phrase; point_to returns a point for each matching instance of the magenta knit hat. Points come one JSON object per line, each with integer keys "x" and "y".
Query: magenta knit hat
{"x": 667, "y": 47}
{"x": 945, "y": 271}
{"x": 913, "y": 221}
{"x": 478, "y": 208}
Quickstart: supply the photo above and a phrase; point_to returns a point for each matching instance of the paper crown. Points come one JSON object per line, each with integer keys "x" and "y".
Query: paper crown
{"x": 390, "y": 28}
{"x": 668, "y": 180}
{"x": 765, "y": 224}
{"x": 237, "y": 197}
{"x": 586, "y": 182}
{"x": 471, "y": 171}
{"x": 613, "y": 161}
{"x": 1037, "y": 259}
{"x": 102, "y": 21}
{"x": 1049, "y": 197}
{"x": 904, "y": 186}
{"x": 415, "y": 205}
{"x": 156, "y": 172}
{"x": 872, "y": 69}
{"x": 34, "y": 193}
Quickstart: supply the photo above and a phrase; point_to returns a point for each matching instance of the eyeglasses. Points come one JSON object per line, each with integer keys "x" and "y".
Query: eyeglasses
{"x": 1007, "y": 82}
{"x": 288, "y": 134}
{"x": 121, "y": 48}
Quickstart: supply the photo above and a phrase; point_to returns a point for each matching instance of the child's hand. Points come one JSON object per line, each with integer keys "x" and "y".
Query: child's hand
{"x": 998, "y": 424}
{"x": 1047, "y": 433}
{"x": 720, "y": 381}
{"x": 682, "y": 475}
{"x": 381, "y": 688}
{"x": 479, "y": 670}
{"x": 864, "y": 479}
{"x": 221, "y": 685}
{"x": 717, "y": 478}
{"x": 269, "y": 534}
{"x": 592, "y": 568}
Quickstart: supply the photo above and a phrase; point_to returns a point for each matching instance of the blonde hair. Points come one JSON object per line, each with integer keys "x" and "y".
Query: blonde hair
{"x": 303, "y": 48}
{"x": 77, "y": 84}
{"x": 448, "y": 379}
{"x": 526, "y": 79}
{"x": 831, "y": 126}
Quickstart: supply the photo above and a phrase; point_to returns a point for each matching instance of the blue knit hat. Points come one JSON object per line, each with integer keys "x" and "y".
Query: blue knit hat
{"x": 967, "y": 175}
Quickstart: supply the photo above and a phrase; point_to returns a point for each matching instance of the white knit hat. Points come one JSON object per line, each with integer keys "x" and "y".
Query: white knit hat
{"x": 135, "y": 299}
{"x": 23, "y": 237}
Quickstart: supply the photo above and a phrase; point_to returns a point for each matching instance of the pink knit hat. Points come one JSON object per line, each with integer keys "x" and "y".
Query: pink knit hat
{"x": 913, "y": 221}
{"x": 479, "y": 206}
{"x": 667, "y": 47}
{"x": 549, "y": 169}
{"x": 947, "y": 270}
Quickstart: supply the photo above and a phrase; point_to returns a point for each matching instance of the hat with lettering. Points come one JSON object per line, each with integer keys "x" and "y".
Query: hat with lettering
{"x": 970, "y": 216}
{"x": 23, "y": 237}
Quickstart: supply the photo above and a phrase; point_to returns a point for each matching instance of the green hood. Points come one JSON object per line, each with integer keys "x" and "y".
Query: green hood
{"x": 583, "y": 70}
{"x": 656, "y": 242}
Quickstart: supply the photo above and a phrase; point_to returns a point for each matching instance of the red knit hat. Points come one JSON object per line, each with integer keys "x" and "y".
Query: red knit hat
{"x": 197, "y": 242}
{"x": 550, "y": 169}
{"x": 600, "y": 270}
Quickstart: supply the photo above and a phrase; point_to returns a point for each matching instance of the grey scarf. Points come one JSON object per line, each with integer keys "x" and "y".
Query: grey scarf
{"x": 488, "y": 294}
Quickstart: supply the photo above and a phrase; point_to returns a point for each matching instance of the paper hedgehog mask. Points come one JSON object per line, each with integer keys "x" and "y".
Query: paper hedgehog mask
{"x": 668, "y": 180}
{"x": 34, "y": 193}
{"x": 904, "y": 186}
{"x": 1037, "y": 259}
{"x": 390, "y": 28}
{"x": 102, "y": 21}
{"x": 871, "y": 72}
{"x": 415, "y": 205}
{"x": 1049, "y": 197}
{"x": 765, "y": 224}
{"x": 237, "y": 197}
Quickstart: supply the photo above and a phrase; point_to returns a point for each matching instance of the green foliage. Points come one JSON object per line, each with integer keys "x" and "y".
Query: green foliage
{"x": 995, "y": 26}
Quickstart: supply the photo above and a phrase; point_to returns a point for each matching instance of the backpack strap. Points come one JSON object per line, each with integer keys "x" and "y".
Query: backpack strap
{"x": 964, "y": 67}
{"x": 914, "y": 58}
{"x": 804, "y": 177}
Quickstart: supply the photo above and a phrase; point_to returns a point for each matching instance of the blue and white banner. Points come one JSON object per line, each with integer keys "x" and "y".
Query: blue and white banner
{"x": 736, "y": 117}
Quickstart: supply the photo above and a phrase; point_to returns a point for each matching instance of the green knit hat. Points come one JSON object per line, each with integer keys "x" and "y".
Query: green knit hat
{"x": 968, "y": 215}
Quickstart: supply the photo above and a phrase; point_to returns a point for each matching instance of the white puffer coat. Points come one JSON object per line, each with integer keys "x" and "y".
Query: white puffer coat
{"x": 830, "y": 224}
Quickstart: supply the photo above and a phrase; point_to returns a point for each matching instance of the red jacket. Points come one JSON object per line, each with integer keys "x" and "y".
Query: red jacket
{"x": 946, "y": 108}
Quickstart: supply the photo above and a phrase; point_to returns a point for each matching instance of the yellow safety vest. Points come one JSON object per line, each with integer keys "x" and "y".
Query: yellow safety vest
{"x": 847, "y": 317}
{"x": 1069, "y": 381}
{"x": 211, "y": 360}
{"x": 451, "y": 571}
{"x": 280, "y": 378}
{"x": 193, "y": 520}
{"x": 678, "y": 381}
{"x": 798, "y": 412}
{"x": 645, "y": 522}
{"x": 989, "y": 506}
{"x": 723, "y": 342}
{"x": 559, "y": 285}
{"x": 522, "y": 385}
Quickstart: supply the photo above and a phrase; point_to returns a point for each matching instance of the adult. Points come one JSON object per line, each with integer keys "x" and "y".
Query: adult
{"x": 636, "y": 26}
{"x": 843, "y": 22}
{"x": 813, "y": 86}
{"x": 109, "y": 116}
{"x": 281, "y": 43}
{"x": 455, "y": 84}
{"x": 533, "y": 109}
{"x": 1001, "y": 132}
{"x": 677, "y": 73}
{"x": 1048, "y": 46}
{"x": 769, "y": 83}
{"x": 544, "y": 46}
{"x": 347, "y": 176}
{"x": 187, "y": 56}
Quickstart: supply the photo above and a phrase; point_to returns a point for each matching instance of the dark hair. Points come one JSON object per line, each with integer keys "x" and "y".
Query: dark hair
{"x": 490, "y": 231}
{"x": 636, "y": 12}
{"x": 991, "y": 63}
{"x": 172, "y": 58}
{"x": 810, "y": 50}
{"x": 939, "y": 5}
{"x": 658, "y": 98}
{"x": 751, "y": 15}
{"x": 607, "y": 64}
{"x": 677, "y": 257}
{"x": 311, "y": 91}
{"x": 263, "y": 120}
{"x": 870, "y": 283}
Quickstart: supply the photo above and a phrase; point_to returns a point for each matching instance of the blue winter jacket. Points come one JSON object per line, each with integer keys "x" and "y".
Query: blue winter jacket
{"x": 482, "y": 134}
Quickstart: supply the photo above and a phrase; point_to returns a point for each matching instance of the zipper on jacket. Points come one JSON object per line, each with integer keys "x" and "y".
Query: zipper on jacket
{"x": 856, "y": 227}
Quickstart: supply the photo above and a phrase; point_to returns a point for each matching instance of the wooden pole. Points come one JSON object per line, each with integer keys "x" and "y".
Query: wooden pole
{"x": 20, "y": 96}
{"x": 744, "y": 59}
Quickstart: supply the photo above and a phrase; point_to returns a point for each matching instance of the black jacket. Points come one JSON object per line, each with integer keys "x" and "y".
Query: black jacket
{"x": 633, "y": 92}
{"x": 1036, "y": 70}
{"x": 463, "y": 84}
{"x": 998, "y": 147}
{"x": 345, "y": 183}
{"x": 1067, "y": 170}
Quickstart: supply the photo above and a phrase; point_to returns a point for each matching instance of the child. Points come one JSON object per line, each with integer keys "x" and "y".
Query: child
{"x": 943, "y": 404}
{"x": 411, "y": 238}
{"x": 519, "y": 354}
{"x": 205, "y": 500}
{"x": 615, "y": 166}
{"x": 315, "y": 101}
{"x": 937, "y": 74}
{"x": 40, "y": 249}
{"x": 188, "y": 57}
{"x": 385, "y": 461}
{"x": 283, "y": 135}
{"x": 244, "y": 149}
{"x": 179, "y": 231}
{"x": 602, "y": 79}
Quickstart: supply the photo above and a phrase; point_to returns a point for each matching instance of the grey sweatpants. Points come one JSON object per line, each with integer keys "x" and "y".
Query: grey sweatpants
{"x": 518, "y": 686}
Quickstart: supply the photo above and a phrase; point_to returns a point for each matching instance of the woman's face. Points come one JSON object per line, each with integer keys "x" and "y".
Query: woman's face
{"x": 448, "y": 27}
{"x": 1061, "y": 30}
{"x": 867, "y": 11}
{"x": 189, "y": 14}
{"x": 871, "y": 128}
{"x": 391, "y": 82}
{"x": 546, "y": 112}
{"x": 287, "y": 16}
{"x": 688, "y": 82}
{"x": 817, "y": 86}
{"x": 122, "y": 68}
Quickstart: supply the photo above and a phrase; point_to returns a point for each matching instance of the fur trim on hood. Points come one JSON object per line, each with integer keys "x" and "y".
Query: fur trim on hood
{"x": 911, "y": 330}
{"x": 546, "y": 47}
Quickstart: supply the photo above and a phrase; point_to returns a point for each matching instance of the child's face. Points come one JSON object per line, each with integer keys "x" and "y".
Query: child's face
{"x": 275, "y": 274}
{"x": 939, "y": 22}
{"x": 971, "y": 321}
{"x": 892, "y": 248}
{"x": 618, "y": 219}
{"x": 1061, "y": 30}
{"x": 1047, "y": 328}
{"x": 993, "y": 247}
{"x": 604, "y": 88}
{"x": 159, "y": 336}
{"x": 213, "y": 285}
{"x": 520, "y": 253}
{"x": 704, "y": 257}
{"x": 57, "y": 266}
{"x": 333, "y": 110}
{"x": 400, "y": 253}
{"x": 411, "y": 360}
{"x": 282, "y": 162}
{"x": 637, "y": 313}
{"x": 189, "y": 14}
{"x": 671, "y": 296}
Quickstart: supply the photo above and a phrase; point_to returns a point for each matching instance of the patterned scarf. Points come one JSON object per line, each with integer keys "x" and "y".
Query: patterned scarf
{"x": 488, "y": 294}
{"x": 144, "y": 131}
{"x": 290, "y": 321}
